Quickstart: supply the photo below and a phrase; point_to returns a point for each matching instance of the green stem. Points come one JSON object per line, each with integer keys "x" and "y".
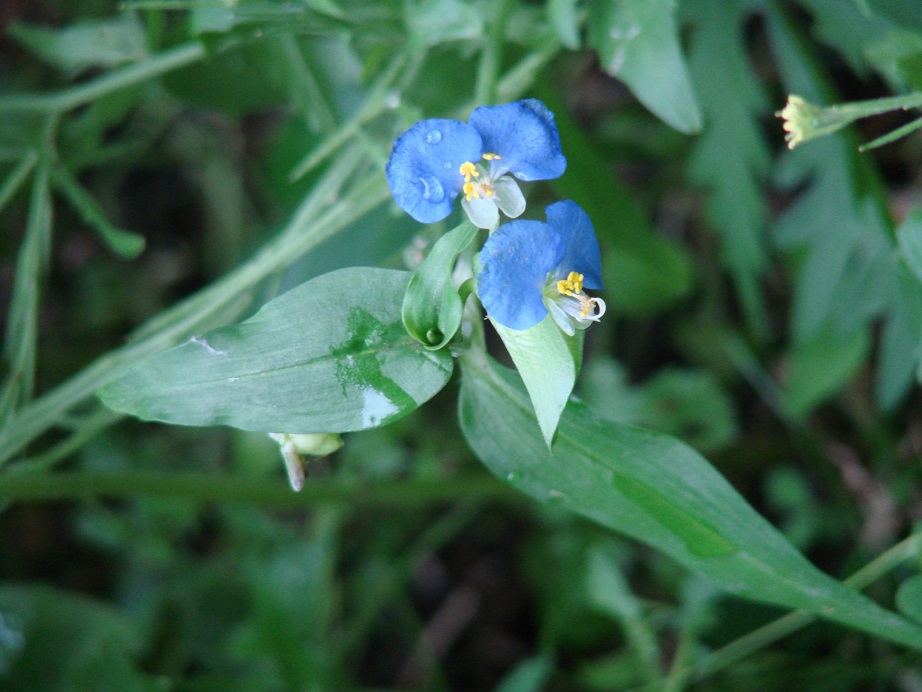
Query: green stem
{"x": 207, "y": 487}
{"x": 864, "y": 109}
{"x": 783, "y": 626}
{"x": 492, "y": 54}
{"x": 82, "y": 94}
{"x": 17, "y": 177}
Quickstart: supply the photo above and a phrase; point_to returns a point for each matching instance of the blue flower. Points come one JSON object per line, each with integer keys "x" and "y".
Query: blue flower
{"x": 436, "y": 160}
{"x": 530, "y": 269}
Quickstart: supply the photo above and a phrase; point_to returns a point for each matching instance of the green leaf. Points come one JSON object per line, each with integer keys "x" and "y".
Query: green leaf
{"x": 909, "y": 597}
{"x": 564, "y": 20}
{"x": 638, "y": 42}
{"x": 734, "y": 105}
{"x": 84, "y": 44}
{"x": 657, "y": 490}
{"x": 820, "y": 368}
{"x": 548, "y": 361}
{"x": 438, "y": 21}
{"x": 55, "y": 640}
{"x": 331, "y": 355}
{"x": 529, "y": 676}
{"x": 909, "y": 240}
{"x": 431, "y": 307}
{"x": 838, "y": 231}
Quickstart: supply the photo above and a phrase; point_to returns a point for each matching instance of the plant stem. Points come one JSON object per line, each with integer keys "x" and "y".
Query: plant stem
{"x": 81, "y": 94}
{"x": 492, "y": 55}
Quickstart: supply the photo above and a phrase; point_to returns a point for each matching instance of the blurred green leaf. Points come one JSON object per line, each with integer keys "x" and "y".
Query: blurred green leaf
{"x": 688, "y": 404}
{"x": 84, "y": 44}
{"x": 909, "y": 241}
{"x": 820, "y": 368}
{"x": 909, "y": 598}
{"x": 265, "y": 17}
{"x": 52, "y": 639}
{"x": 548, "y": 361}
{"x": 432, "y": 308}
{"x": 563, "y": 15}
{"x": 658, "y": 491}
{"x": 638, "y": 42}
{"x": 438, "y": 21}
{"x": 331, "y": 355}
{"x": 238, "y": 80}
{"x": 840, "y": 234}
{"x": 733, "y": 102}
{"x": 529, "y": 676}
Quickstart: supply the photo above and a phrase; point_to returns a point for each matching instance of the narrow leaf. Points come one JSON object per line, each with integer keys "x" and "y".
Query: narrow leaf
{"x": 331, "y": 355}
{"x": 432, "y": 308}
{"x": 659, "y": 491}
{"x": 123, "y": 243}
{"x": 548, "y": 361}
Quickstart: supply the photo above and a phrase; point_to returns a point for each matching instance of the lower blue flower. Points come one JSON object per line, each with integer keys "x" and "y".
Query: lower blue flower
{"x": 530, "y": 269}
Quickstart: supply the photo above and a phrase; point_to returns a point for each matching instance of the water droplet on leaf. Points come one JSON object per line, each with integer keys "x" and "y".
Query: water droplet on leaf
{"x": 514, "y": 476}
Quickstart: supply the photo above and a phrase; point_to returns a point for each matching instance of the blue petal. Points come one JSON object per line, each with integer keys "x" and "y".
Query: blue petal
{"x": 422, "y": 171}
{"x": 515, "y": 262}
{"x": 580, "y": 246}
{"x": 525, "y": 137}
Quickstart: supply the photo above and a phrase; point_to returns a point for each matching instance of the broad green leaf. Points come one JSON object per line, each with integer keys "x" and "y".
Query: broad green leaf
{"x": 548, "y": 361}
{"x": 84, "y": 44}
{"x": 657, "y": 490}
{"x": 638, "y": 42}
{"x": 55, "y": 640}
{"x": 328, "y": 356}
{"x": 909, "y": 598}
{"x": 643, "y": 271}
{"x": 432, "y": 308}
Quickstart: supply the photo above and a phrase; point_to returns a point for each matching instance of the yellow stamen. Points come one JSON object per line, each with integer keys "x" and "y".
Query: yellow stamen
{"x": 490, "y": 157}
{"x": 467, "y": 170}
{"x": 571, "y": 286}
{"x": 470, "y": 191}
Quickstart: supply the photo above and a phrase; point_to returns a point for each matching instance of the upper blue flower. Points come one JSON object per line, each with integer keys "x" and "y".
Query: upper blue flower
{"x": 435, "y": 160}
{"x": 530, "y": 269}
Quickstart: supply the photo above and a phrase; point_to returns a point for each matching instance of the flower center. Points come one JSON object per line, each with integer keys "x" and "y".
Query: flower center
{"x": 470, "y": 171}
{"x": 569, "y": 305}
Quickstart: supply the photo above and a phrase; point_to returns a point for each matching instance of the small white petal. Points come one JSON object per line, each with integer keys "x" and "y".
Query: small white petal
{"x": 509, "y": 197}
{"x": 482, "y": 212}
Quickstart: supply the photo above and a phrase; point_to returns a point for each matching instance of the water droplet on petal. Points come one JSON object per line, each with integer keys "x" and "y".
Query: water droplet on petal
{"x": 432, "y": 190}
{"x": 434, "y": 137}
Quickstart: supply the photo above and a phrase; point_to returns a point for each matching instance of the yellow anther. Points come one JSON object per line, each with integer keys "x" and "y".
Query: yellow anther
{"x": 470, "y": 191}
{"x": 571, "y": 286}
{"x": 467, "y": 170}
{"x": 490, "y": 157}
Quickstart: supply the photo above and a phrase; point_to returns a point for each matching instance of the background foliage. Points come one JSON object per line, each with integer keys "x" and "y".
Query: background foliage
{"x": 169, "y": 167}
